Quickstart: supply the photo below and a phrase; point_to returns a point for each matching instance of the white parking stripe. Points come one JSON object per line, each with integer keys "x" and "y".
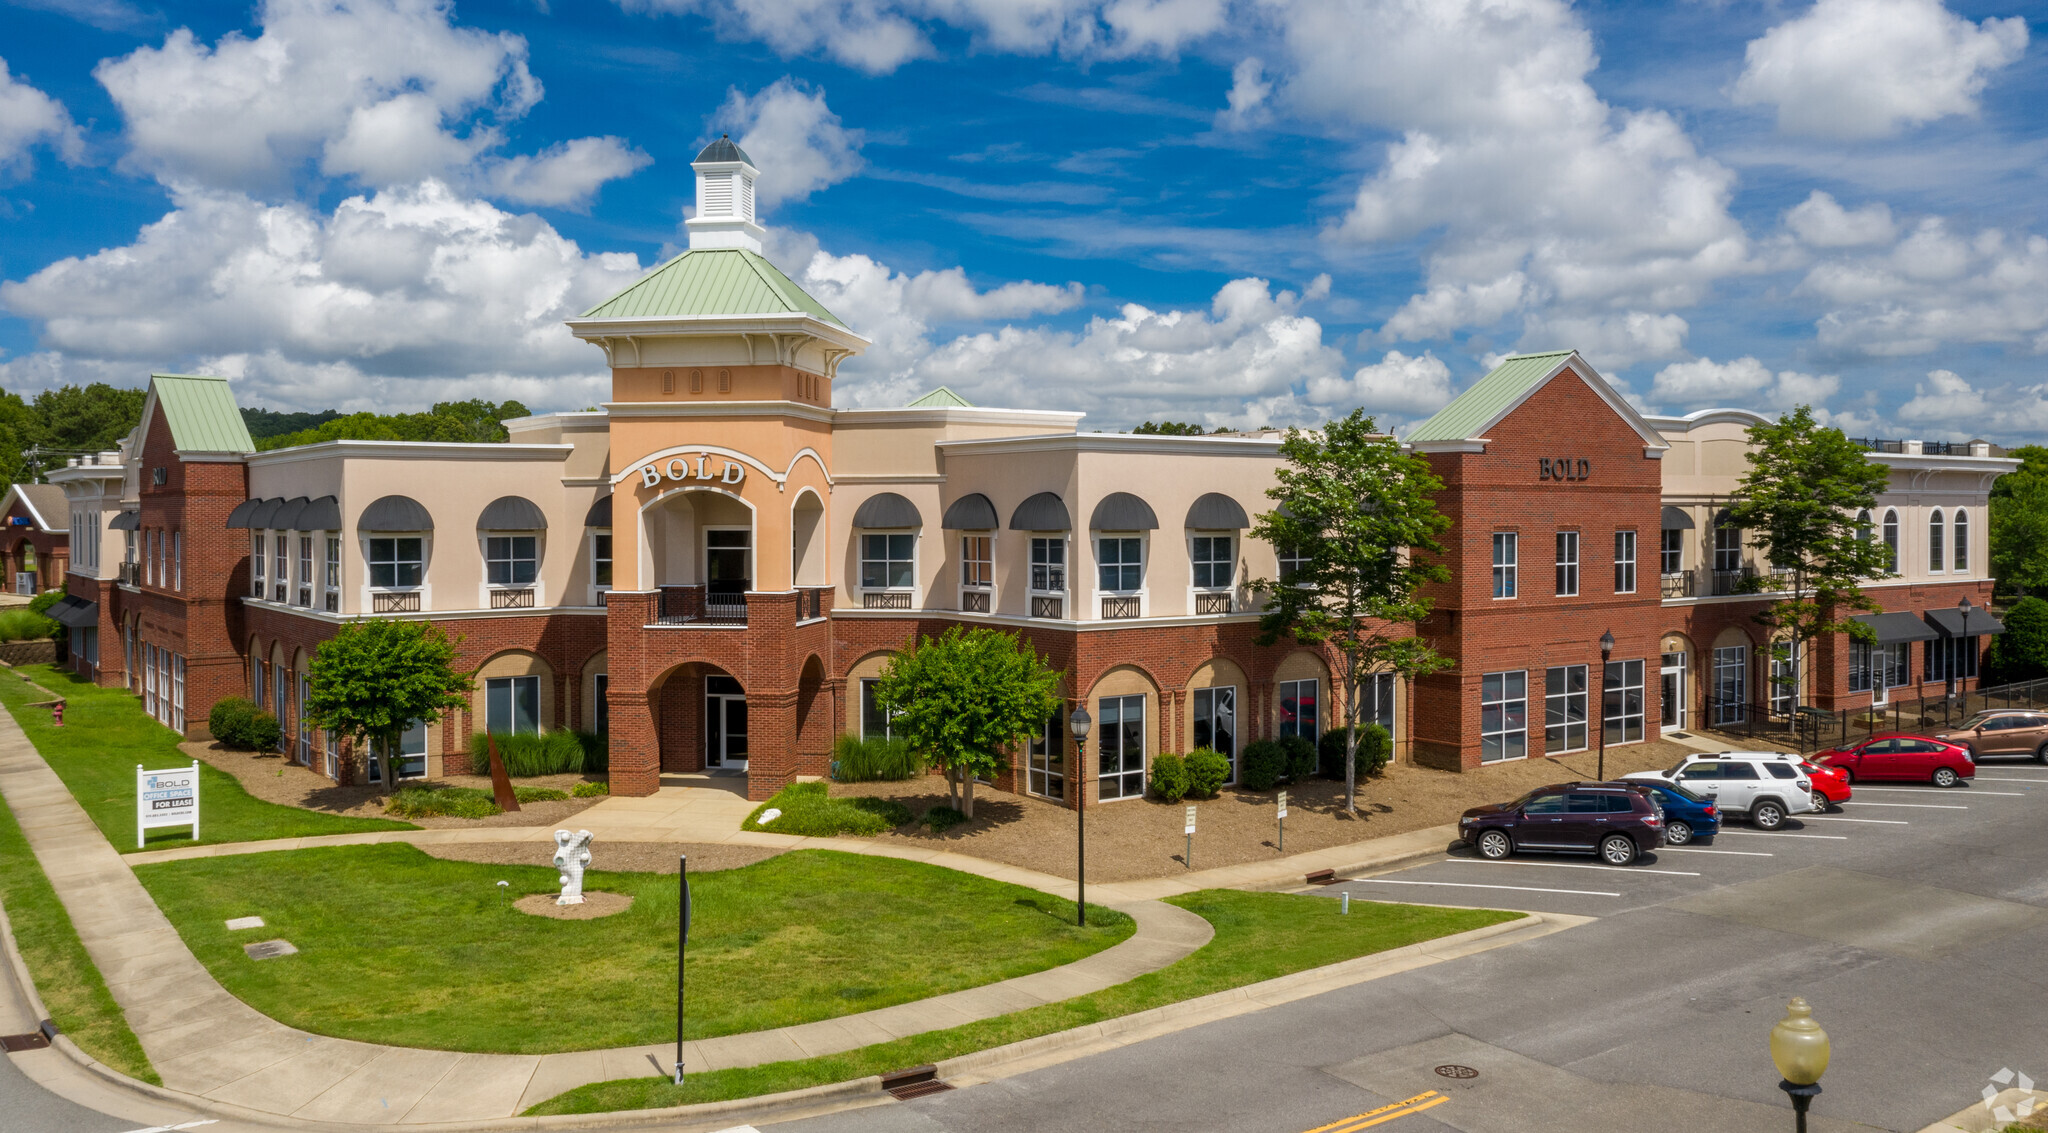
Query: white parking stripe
{"x": 1924, "y": 790}
{"x": 1879, "y": 821}
{"x": 1470, "y": 885}
{"x": 1576, "y": 865}
{"x": 1769, "y": 834}
{"x": 1999, "y": 779}
{"x": 1920, "y": 806}
{"x": 1736, "y": 853}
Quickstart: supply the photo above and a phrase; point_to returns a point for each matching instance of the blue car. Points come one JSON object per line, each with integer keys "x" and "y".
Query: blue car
{"x": 1688, "y": 818}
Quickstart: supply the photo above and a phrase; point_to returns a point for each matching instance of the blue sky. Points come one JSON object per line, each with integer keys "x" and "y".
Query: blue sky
{"x": 1238, "y": 213}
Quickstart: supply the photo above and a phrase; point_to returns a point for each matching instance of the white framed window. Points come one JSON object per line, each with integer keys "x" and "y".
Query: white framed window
{"x": 601, "y": 559}
{"x": 1215, "y": 561}
{"x": 331, "y": 574}
{"x": 1621, "y": 711}
{"x": 1731, "y": 684}
{"x": 281, "y": 687}
{"x": 408, "y": 756}
{"x": 977, "y": 562}
{"x": 511, "y": 560}
{"x": 1727, "y": 547}
{"x": 1505, "y": 556}
{"x": 1503, "y": 716}
{"x": 305, "y": 730}
{"x": 178, "y": 560}
{"x": 874, "y": 719}
{"x": 1119, "y": 563}
{"x": 1890, "y": 535}
{"x": 1961, "y": 538}
{"x": 330, "y": 746}
{"x": 1216, "y": 724}
{"x": 1564, "y": 708}
{"x": 888, "y": 560}
{"x": 1671, "y": 553}
{"x": 178, "y": 692}
{"x": 280, "y": 565}
{"x": 256, "y": 681}
{"x": 396, "y": 562}
{"x": 306, "y": 575}
{"x": 1046, "y": 760}
{"x": 1049, "y": 564}
{"x": 1937, "y": 538}
{"x": 1567, "y": 563}
{"x": 1293, "y": 560}
{"x": 1376, "y": 701}
{"x": 1624, "y": 562}
{"x": 258, "y": 559}
{"x": 1120, "y": 752}
{"x": 149, "y": 680}
{"x": 512, "y": 705}
{"x": 1301, "y": 709}
{"x": 1898, "y": 669}
{"x": 1781, "y": 680}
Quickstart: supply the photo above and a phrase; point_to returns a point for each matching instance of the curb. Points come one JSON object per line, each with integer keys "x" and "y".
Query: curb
{"x": 1979, "y": 1118}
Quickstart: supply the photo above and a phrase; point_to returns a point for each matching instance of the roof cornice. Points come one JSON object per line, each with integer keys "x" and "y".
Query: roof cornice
{"x": 699, "y": 326}
{"x": 410, "y": 450}
{"x": 1128, "y": 444}
{"x": 622, "y": 409}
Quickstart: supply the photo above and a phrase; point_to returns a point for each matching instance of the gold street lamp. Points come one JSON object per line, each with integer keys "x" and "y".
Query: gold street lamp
{"x": 1800, "y": 1049}
{"x": 1080, "y": 723}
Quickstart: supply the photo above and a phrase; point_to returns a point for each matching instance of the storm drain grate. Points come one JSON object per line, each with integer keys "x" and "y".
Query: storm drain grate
{"x": 916, "y": 1082}
{"x": 34, "y": 1040}
{"x": 918, "y": 1089}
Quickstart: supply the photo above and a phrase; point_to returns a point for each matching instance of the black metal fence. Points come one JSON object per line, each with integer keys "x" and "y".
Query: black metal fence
{"x": 1812, "y": 729}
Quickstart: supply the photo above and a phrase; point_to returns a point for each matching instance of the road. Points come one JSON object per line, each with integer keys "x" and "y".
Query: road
{"x": 1913, "y": 919}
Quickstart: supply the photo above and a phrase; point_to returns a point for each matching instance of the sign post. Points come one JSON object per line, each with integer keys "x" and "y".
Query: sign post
{"x": 1187, "y": 858}
{"x": 1283, "y": 822}
{"x": 166, "y": 798}
{"x": 682, "y": 947}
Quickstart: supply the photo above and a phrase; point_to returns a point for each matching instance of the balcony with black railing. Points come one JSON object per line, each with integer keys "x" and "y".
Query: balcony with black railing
{"x": 695, "y": 605}
{"x": 1116, "y": 606}
{"x": 885, "y": 600}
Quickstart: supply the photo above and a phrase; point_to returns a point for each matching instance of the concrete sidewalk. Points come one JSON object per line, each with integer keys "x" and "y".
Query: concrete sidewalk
{"x": 204, "y": 1041}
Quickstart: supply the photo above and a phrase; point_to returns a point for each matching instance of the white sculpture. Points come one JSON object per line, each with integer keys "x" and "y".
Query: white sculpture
{"x": 572, "y": 857}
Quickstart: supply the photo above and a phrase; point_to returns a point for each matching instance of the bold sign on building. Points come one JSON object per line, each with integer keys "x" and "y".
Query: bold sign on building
{"x": 699, "y": 468}
{"x": 166, "y": 798}
{"x": 1563, "y": 468}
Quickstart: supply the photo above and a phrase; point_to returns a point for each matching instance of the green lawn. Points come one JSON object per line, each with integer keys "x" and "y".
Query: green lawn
{"x": 399, "y": 947}
{"x": 106, "y": 734}
{"x": 72, "y": 990}
{"x": 1258, "y": 936}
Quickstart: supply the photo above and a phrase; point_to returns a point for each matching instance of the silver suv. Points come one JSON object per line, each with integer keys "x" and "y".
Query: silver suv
{"x": 1763, "y": 786}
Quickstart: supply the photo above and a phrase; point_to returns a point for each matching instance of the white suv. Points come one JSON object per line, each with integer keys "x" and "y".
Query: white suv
{"x": 1764, "y": 786}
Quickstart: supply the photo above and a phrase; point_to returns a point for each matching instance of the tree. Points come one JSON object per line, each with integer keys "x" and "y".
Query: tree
{"x": 480, "y": 418}
{"x": 965, "y": 697}
{"x": 1169, "y": 429}
{"x": 17, "y": 432}
{"x": 264, "y": 423}
{"x": 90, "y": 418}
{"x": 375, "y": 678}
{"x": 2021, "y": 652}
{"x": 1360, "y": 519}
{"x": 1801, "y": 497}
{"x": 2019, "y": 522}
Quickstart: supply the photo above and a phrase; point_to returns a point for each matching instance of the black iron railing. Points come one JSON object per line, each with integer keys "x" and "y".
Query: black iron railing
{"x": 1114, "y": 607}
{"x": 681, "y": 605}
{"x": 521, "y": 599}
{"x": 885, "y": 600}
{"x": 395, "y": 602}
{"x": 1044, "y": 607}
{"x": 1212, "y": 603}
{"x": 974, "y": 601}
{"x": 1811, "y": 728}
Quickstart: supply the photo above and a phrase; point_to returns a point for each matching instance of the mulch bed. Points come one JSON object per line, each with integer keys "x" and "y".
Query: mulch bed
{"x": 622, "y": 857}
{"x": 1141, "y": 838}
{"x": 272, "y": 778}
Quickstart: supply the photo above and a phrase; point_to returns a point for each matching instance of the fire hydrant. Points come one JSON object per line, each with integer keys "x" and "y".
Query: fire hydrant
{"x": 57, "y": 714}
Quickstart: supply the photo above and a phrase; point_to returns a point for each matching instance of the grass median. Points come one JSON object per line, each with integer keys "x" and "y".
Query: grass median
{"x": 1258, "y": 936}
{"x": 106, "y": 734}
{"x": 70, "y": 986}
{"x": 399, "y": 947}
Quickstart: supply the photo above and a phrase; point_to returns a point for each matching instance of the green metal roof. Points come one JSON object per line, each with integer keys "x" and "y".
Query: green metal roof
{"x": 202, "y": 413}
{"x": 942, "y": 398}
{"x": 1482, "y": 405}
{"x": 711, "y": 282}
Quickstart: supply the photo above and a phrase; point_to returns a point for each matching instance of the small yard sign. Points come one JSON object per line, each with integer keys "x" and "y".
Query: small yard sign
{"x": 1187, "y": 857}
{"x": 1283, "y": 804}
{"x": 1191, "y": 820}
{"x": 1282, "y": 847}
{"x": 166, "y": 798}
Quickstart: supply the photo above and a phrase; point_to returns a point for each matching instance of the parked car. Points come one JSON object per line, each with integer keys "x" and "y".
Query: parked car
{"x": 1830, "y": 784}
{"x": 1688, "y": 817}
{"x": 1763, "y": 786}
{"x": 1608, "y": 819}
{"x": 1902, "y": 758}
{"x": 2002, "y": 732}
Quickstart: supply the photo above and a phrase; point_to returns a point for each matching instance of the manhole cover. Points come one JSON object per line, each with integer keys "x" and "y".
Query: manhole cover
{"x": 1456, "y": 1071}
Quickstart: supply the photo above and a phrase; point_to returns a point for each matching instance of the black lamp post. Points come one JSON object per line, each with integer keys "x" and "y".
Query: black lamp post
{"x": 1955, "y": 660}
{"x": 1081, "y": 723}
{"x": 1606, "y": 651}
{"x": 1800, "y": 1048}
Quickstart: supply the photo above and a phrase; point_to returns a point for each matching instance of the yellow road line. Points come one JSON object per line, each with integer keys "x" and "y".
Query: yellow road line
{"x": 1360, "y": 1121}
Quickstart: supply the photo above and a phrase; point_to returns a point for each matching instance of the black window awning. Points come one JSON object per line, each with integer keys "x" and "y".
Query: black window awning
{"x": 323, "y": 514}
{"x": 240, "y": 516}
{"x": 600, "y": 513}
{"x": 264, "y": 512}
{"x": 971, "y": 512}
{"x": 395, "y": 513}
{"x": 1951, "y": 623}
{"x": 1896, "y": 627}
{"x": 512, "y": 513}
{"x": 1122, "y": 511}
{"x": 1042, "y": 512}
{"x": 128, "y": 521}
{"x": 76, "y": 612}
{"x": 887, "y": 509}
{"x": 1217, "y": 512}
{"x": 1675, "y": 519}
{"x": 287, "y": 517}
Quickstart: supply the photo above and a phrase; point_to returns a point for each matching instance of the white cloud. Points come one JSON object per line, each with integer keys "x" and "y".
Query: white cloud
{"x": 1612, "y": 342}
{"x": 796, "y": 141}
{"x": 386, "y": 92}
{"x": 1741, "y": 382}
{"x": 1932, "y": 287}
{"x": 28, "y": 118}
{"x": 1821, "y": 222}
{"x": 1948, "y": 403}
{"x": 1866, "y": 68}
{"x": 390, "y": 297}
{"x": 1249, "y": 91}
{"x": 565, "y": 174}
{"x": 1395, "y": 387}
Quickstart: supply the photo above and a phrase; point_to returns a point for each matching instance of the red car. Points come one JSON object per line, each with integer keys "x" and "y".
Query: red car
{"x": 1830, "y": 784}
{"x": 1901, "y": 757}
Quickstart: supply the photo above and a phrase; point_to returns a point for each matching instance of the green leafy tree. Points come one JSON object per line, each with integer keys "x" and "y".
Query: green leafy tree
{"x": 2019, "y": 523}
{"x": 1800, "y": 499}
{"x": 2021, "y": 652}
{"x": 1170, "y": 429}
{"x": 1362, "y": 517}
{"x": 264, "y": 423}
{"x": 375, "y": 427}
{"x": 17, "y": 432}
{"x": 89, "y": 418}
{"x": 375, "y": 678}
{"x": 963, "y": 699}
{"x": 481, "y": 418}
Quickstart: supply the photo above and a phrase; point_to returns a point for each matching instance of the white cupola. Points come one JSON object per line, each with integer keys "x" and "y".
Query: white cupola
{"x": 725, "y": 199}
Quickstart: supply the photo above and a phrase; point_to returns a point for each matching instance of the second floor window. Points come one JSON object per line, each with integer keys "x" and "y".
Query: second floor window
{"x": 280, "y": 561}
{"x": 1624, "y": 562}
{"x": 1727, "y": 548}
{"x": 256, "y": 561}
{"x": 1293, "y": 560}
{"x": 510, "y": 560}
{"x": 1891, "y": 541}
{"x": 1504, "y": 563}
{"x": 1673, "y": 552}
{"x": 1049, "y": 565}
{"x": 1215, "y": 566}
{"x": 601, "y": 559}
{"x": 334, "y": 562}
{"x": 396, "y": 562}
{"x": 177, "y": 560}
{"x": 305, "y": 570}
{"x": 1119, "y": 564}
{"x": 977, "y": 562}
{"x": 1962, "y": 541}
{"x": 886, "y": 562}
{"x": 1567, "y": 563}
{"x": 1937, "y": 531}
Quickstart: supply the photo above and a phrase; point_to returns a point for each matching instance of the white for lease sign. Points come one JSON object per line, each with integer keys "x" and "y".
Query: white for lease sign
{"x": 166, "y": 798}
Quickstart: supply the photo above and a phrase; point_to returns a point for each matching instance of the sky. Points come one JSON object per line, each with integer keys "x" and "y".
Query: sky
{"x": 1235, "y": 213}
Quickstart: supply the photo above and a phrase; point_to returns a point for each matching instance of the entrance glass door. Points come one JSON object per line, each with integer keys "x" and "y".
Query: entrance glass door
{"x": 725, "y": 724}
{"x": 1672, "y": 672}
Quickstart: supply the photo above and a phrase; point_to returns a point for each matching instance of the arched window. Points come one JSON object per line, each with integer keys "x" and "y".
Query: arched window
{"x": 1937, "y": 555}
{"x": 1891, "y": 540}
{"x": 1962, "y": 541}
{"x": 1863, "y": 522}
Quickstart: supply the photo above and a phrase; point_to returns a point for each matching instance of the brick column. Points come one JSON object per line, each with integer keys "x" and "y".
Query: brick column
{"x": 635, "y": 750}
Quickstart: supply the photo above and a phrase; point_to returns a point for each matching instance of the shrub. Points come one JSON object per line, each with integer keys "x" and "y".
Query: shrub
{"x": 538, "y": 794}
{"x": 1302, "y": 758}
{"x": 41, "y": 603}
{"x": 863, "y": 760}
{"x": 809, "y": 809}
{"x": 590, "y": 790}
{"x": 1170, "y": 777}
{"x": 26, "y": 625}
{"x": 942, "y": 819}
{"x": 238, "y": 723}
{"x": 1375, "y": 747}
{"x": 1206, "y": 772}
{"x": 561, "y": 752}
{"x": 1261, "y": 764}
{"x": 2021, "y": 653}
{"x": 597, "y": 752}
{"x": 441, "y": 802}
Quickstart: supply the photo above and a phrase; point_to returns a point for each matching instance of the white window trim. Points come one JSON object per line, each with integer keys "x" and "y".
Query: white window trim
{"x": 1513, "y": 567}
{"x": 483, "y": 547}
{"x": 1571, "y": 539}
{"x": 426, "y": 559}
{"x": 590, "y": 556}
{"x": 1095, "y": 539}
{"x": 988, "y": 588}
{"x": 1634, "y": 560}
{"x": 1960, "y": 554}
{"x": 1095, "y": 774}
{"x": 1236, "y": 735}
{"x": 1236, "y": 558}
{"x": 916, "y": 560}
{"x": 1937, "y": 562}
{"x": 1586, "y": 696}
{"x": 1066, "y": 562}
{"x": 1483, "y": 702}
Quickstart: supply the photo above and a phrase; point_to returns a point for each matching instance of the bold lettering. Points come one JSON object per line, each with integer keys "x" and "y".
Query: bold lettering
{"x": 678, "y": 470}
{"x": 1585, "y": 470}
{"x": 734, "y": 473}
{"x": 1543, "y": 468}
{"x": 1564, "y": 468}
{"x": 650, "y": 475}
{"x": 704, "y": 467}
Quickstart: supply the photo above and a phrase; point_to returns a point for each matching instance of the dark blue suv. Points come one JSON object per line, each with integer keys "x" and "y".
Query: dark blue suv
{"x": 1688, "y": 818}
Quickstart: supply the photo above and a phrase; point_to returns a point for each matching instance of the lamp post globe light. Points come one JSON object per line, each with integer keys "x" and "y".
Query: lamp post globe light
{"x": 1955, "y": 661}
{"x": 1800, "y": 1049}
{"x": 1600, "y": 724}
{"x": 1081, "y": 724}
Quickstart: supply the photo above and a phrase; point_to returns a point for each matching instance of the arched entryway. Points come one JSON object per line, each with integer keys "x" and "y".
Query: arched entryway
{"x": 701, "y": 720}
